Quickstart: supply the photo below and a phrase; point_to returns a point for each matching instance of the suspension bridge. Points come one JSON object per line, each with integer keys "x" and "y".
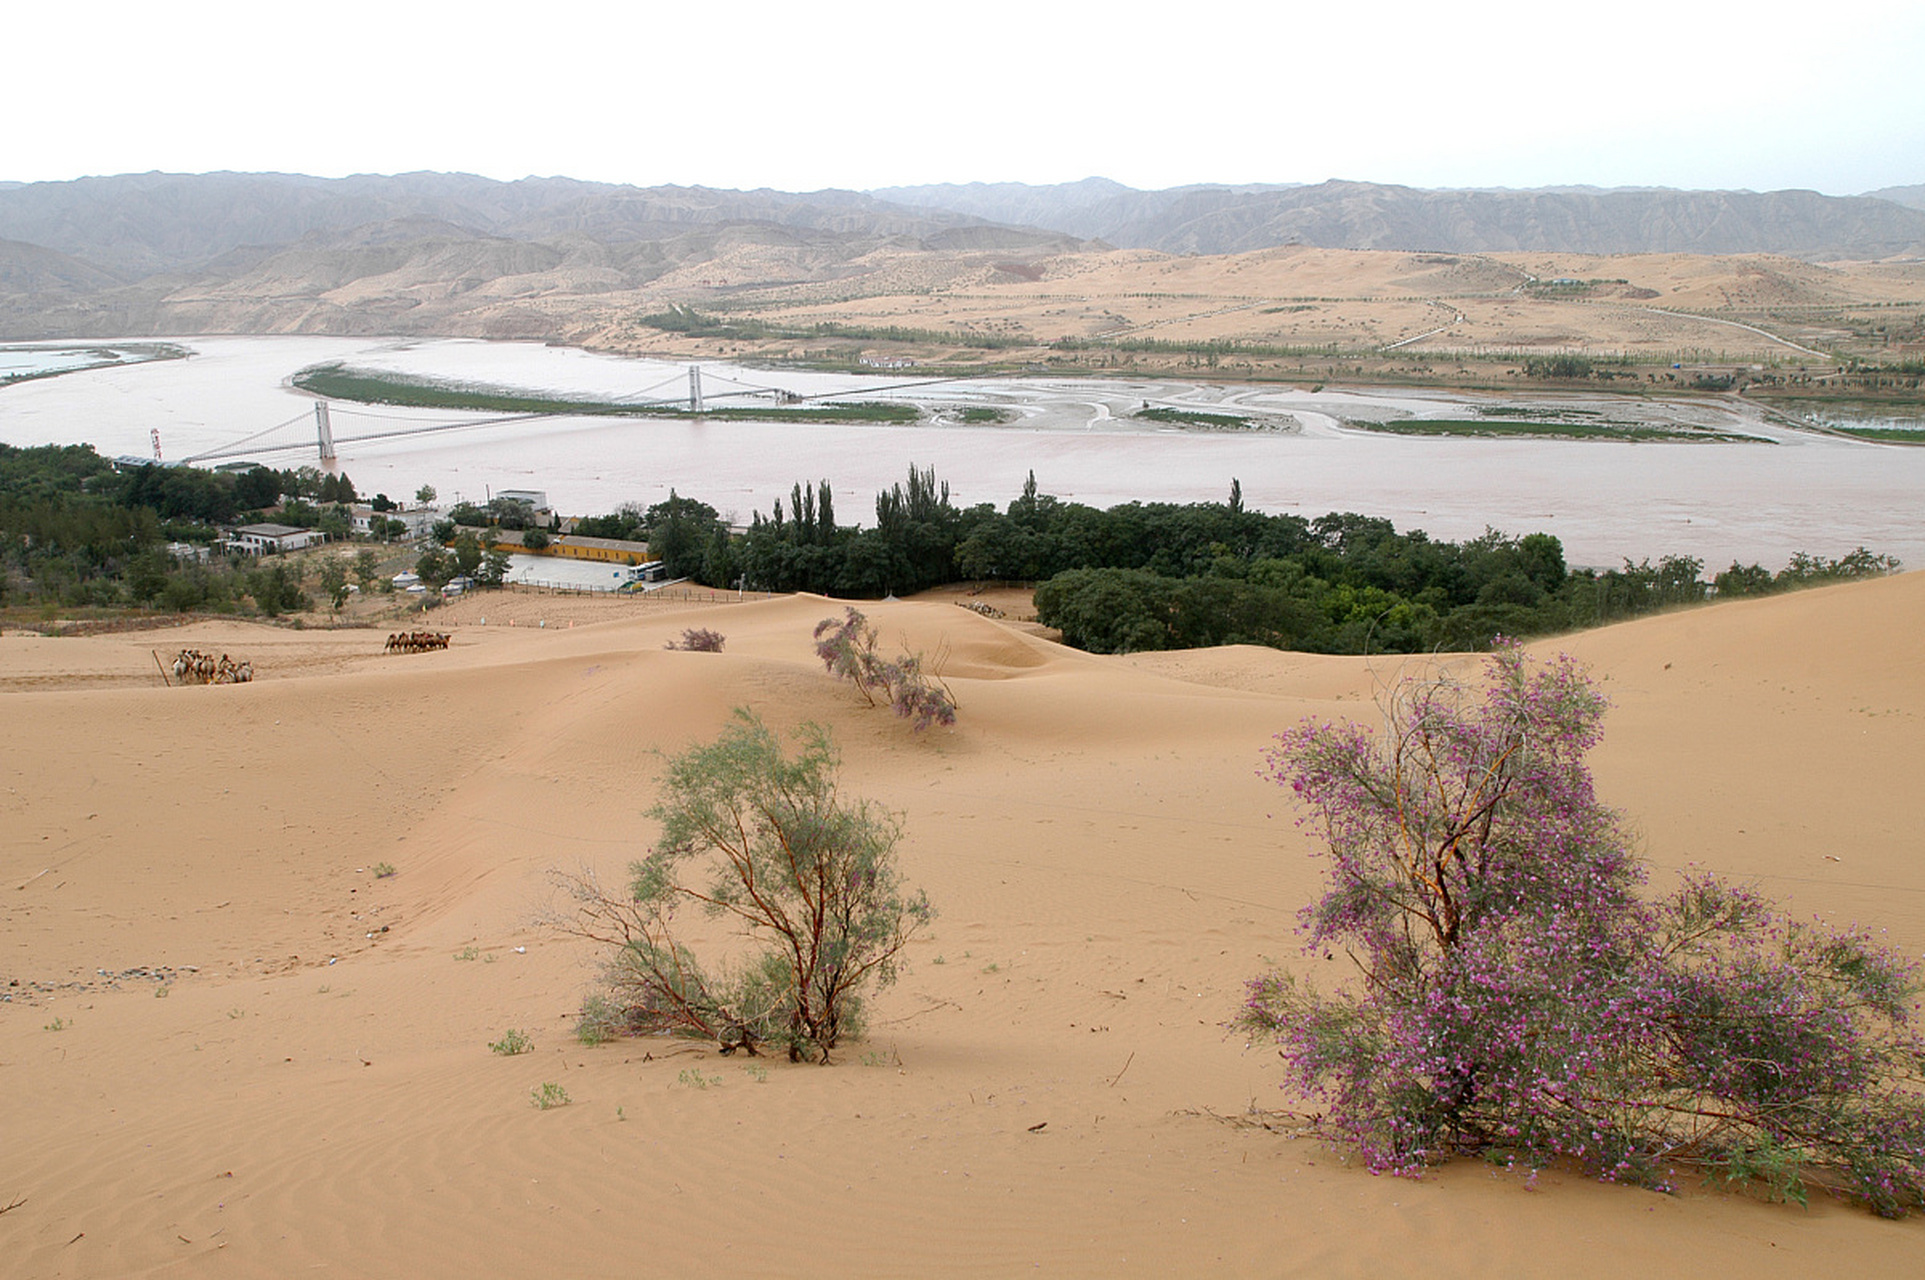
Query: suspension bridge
{"x": 702, "y": 395}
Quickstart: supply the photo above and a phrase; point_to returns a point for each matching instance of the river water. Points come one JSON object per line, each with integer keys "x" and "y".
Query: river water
{"x": 1757, "y": 501}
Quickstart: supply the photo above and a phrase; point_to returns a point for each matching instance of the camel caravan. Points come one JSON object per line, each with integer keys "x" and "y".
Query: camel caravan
{"x": 194, "y": 667}
{"x": 416, "y": 641}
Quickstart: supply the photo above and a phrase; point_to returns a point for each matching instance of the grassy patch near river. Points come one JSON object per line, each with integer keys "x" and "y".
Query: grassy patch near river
{"x": 337, "y": 383}
{"x": 1508, "y": 427}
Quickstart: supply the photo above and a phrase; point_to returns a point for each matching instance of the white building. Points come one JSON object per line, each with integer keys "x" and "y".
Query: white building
{"x": 271, "y": 539}
{"x": 418, "y": 519}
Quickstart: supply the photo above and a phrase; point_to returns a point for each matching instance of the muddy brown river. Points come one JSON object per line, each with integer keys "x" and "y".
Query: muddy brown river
{"x": 1781, "y": 491}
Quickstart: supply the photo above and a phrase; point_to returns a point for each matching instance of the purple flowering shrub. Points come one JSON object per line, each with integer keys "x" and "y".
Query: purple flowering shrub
{"x": 848, "y": 650}
{"x": 1522, "y": 1000}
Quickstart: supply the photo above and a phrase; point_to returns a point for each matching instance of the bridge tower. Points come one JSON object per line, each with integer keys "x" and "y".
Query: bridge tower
{"x": 323, "y": 431}
{"x": 695, "y": 388}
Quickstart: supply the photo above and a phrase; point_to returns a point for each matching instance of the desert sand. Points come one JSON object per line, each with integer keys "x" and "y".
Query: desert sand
{"x": 228, "y": 1049}
{"x": 1425, "y": 309}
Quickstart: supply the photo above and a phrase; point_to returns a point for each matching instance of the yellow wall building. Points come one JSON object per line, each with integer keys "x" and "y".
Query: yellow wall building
{"x": 611, "y": 550}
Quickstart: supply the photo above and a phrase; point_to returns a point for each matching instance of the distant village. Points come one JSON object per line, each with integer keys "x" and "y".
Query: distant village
{"x": 530, "y": 527}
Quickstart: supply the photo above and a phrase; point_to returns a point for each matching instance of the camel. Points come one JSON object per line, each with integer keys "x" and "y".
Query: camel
{"x": 416, "y": 641}
{"x": 191, "y": 666}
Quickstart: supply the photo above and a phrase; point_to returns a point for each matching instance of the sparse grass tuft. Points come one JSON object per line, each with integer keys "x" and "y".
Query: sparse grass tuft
{"x": 548, "y": 1095}
{"x": 511, "y": 1043}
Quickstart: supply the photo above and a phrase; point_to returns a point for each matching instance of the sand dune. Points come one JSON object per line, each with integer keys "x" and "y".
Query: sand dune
{"x": 1650, "y": 305}
{"x": 306, "y": 1084}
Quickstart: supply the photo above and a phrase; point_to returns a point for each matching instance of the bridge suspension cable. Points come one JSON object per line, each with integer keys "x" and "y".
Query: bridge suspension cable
{"x": 236, "y": 446}
{"x": 635, "y": 396}
{"x": 252, "y": 442}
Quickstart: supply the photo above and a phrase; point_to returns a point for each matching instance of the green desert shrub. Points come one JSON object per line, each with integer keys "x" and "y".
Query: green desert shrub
{"x": 765, "y": 839}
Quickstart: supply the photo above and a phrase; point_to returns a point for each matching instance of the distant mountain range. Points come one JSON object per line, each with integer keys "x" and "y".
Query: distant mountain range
{"x": 1913, "y": 196}
{"x": 454, "y": 253}
{"x": 424, "y": 252}
{"x": 141, "y": 224}
{"x": 1364, "y": 215}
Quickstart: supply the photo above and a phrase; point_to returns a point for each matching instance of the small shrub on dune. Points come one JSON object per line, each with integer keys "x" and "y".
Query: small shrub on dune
{"x": 698, "y": 640}
{"x": 1521, "y": 1000}
{"x": 767, "y": 840}
{"x": 915, "y": 697}
{"x": 513, "y": 1043}
{"x": 847, "y": 648}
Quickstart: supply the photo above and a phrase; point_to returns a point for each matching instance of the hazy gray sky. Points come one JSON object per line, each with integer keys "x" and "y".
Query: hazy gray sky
{"x": 1762, "y": 94}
